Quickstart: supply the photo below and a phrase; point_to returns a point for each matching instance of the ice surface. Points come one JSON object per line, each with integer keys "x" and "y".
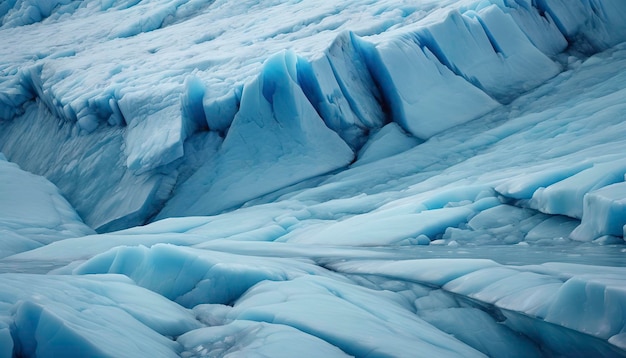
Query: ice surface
{"x": 604, "y": 212}
{"x": 494, "y": 339}
{"x": 373, "y": 229}
{"x": 191, "y": 277}
{"x": 255, "y": 339}
{"x": 593, "y": 25}
{"x": 347, "y": 316}
{"x": 75, "y": 163}
{"x": 389, "y": 178}
{"x": 566, "y": 197}
{"x": 389, "y": 140}
{"x": 66, "y": 316}
{"x": 319, "y": 83}
{"x": 495, "y": 54}
{"x": 33, "y": 212}
{"x": 421, "y": 90}
{"x": 556, "y": 295}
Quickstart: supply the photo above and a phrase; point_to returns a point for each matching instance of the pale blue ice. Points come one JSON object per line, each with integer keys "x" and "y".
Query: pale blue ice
{"x": 394, "y": 178}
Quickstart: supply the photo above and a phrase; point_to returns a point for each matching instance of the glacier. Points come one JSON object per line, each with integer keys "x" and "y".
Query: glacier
{"x": 392, "y": 178}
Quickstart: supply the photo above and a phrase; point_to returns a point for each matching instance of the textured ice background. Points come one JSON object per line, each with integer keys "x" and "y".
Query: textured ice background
{"x": 369, "y": 178}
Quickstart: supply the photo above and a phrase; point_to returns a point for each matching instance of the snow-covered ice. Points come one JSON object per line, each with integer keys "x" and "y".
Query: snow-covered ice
{"x": 205, "y": 178}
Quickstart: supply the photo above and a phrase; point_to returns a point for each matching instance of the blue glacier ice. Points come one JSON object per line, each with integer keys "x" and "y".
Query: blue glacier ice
{"x": 205, "y": 178}
{"x": 33, "y": 213}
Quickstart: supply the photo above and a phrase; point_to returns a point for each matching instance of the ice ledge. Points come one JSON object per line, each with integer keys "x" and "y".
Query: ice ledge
{"x": 604, "y": 213}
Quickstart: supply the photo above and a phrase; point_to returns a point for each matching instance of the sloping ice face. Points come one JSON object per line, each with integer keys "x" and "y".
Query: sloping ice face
{"x": 212, "y": 178}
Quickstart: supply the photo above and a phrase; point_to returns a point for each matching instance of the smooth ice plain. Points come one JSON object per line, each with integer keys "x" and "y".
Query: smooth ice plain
{"x": 387, "y": 178}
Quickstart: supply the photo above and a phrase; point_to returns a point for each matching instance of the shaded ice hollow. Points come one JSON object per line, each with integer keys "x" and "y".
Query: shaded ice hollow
{"x": 211, "y": 178}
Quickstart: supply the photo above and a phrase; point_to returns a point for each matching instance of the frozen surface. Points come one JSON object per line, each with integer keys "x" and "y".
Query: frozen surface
{"x": 51, "y": 316}
{"x": 133, "y": 82}
{"x": 388, "y": 178}
{"x": 33, "y": 212}
{"x": 250, "y": 338}
{"x": 604, "y": 212}
{"x": 389, "y": 140}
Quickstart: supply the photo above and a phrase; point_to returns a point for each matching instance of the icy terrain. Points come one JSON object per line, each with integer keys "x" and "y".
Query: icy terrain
{"x": 301, "y": 178}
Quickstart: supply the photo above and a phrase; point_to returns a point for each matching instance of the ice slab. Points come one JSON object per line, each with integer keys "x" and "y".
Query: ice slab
{"x": 604, "y": 213}
{"x": 190, "y": 276}
{"x": 587, "y": 23}
{"x": 320, "y": 84}
{"x": 540, "y": 29}
{"x": 389, "y": 140}
{"x": 490, "y": 50}
{"x": 155, "y": 131}
{"x": 61, "y": 315}
{"x": 348, "y": 62}
{"x": 424, "y": 95}
{"x": 566, "y": 197}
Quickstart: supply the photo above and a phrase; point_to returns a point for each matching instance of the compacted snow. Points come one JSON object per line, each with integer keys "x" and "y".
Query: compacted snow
{"x": 388, "y": 178}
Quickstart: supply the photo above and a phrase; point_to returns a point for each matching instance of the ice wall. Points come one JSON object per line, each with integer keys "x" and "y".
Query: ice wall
{"x": 276, "y": 139}
{"x": 143, "y": 85}
{"x": 88, "y": 169}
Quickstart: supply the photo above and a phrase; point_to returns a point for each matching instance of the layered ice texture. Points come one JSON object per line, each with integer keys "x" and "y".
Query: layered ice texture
{"x": 150, "y": 94}
{"x": 210, "y": 178}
